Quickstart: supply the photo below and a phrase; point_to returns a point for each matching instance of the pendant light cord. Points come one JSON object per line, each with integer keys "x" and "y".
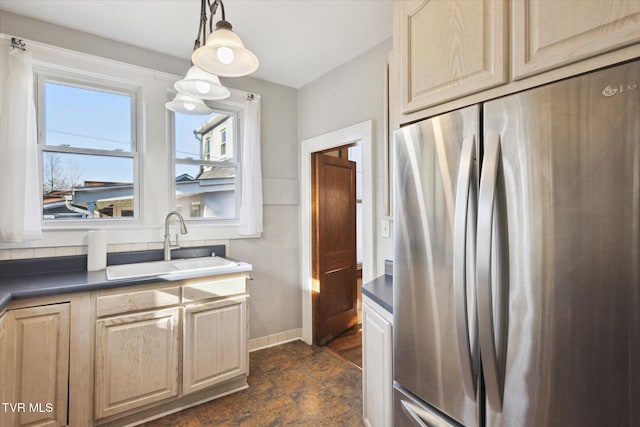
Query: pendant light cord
{"x": 223, "y": 22}
{"x": 202, "y": 29}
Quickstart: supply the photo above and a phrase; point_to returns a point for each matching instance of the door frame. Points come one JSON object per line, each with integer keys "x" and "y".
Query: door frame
{"x": 358, "y": 134}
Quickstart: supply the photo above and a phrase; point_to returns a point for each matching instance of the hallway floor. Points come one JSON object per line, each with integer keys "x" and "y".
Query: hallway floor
{"x": 291, "y": 384}
{"x": 349, "y": 345}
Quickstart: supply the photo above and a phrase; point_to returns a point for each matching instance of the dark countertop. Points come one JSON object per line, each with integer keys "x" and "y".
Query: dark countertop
{"x": 380, "y": 289}
{"x": 34, "y": 277}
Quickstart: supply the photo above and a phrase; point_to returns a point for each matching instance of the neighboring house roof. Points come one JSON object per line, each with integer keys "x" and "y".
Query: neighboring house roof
{"x": 102, "y": 184}
{"x": 184, "y": 177}
{"x": 216, "y": 172}
{"x": 214, "y": 121}
{"x": 55, "y": 196}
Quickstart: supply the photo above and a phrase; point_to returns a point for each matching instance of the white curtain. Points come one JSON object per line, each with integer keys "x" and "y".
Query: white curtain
{"x": 20, "y": 204}
{"x": 251, "y": 205}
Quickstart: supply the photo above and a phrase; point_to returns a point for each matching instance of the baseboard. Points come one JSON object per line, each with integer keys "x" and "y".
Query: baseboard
{"x": 275, "y": 339}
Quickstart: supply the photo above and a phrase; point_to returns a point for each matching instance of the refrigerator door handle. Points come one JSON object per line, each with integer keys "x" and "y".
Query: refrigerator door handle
{"x": 486, "y": 201}
{"x": 460, "y": 247}
{"x": 413, "y": 416}
{"x": 423, "y": 417}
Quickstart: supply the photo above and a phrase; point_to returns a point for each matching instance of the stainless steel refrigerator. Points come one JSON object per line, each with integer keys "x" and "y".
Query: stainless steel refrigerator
{"x": 517, "y": 259}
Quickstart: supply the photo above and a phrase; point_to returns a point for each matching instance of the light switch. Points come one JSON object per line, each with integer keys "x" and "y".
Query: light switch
{"x": 385, "y": 228}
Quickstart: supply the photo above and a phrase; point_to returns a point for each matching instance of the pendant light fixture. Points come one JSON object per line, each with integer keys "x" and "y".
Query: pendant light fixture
{"x": 224, "y": 53}
{"x": 197, "y": 84}
{"x": 202, "y": 85}
{"x": 186, "y": 104}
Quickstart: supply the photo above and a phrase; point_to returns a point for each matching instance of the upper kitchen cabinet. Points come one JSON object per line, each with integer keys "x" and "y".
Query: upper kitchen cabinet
{"x": 549, "y": 34}
{"x": 449, "y": 54}
{"x": 449, "y": 48}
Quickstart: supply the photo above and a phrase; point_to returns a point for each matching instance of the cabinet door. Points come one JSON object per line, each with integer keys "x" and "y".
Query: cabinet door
{"x": 449, "y": 48}
{"x": 377, "y": 374}
{"x": 552, "y": 33}
{"x": 137, "y": 360}
{"x": 5, "y": 369}
{"x": 215, "y": 342}
{"x": 36, "y": 363}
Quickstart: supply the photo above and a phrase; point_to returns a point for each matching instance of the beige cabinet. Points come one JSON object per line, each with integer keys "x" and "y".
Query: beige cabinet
{"x": 550, "y": 34}
{"x": 163, "y": 347}
{"x": 3, "y": 361}
{"x": 449, "y": 48}
{"x": 450, "y": 54}
{"x": 377, "y": 365}
{"x": 215, "y": 342}
{"x": 35, "y": 365}
{"x": 137, "y": 360}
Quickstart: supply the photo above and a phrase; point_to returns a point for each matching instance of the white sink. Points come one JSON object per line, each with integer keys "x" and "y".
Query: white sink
{"x": 161, "y": 268}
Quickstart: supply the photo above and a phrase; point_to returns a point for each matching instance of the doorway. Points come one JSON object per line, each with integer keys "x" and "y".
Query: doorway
{"x": 334, "y": 185}
{"x": 360, "y": 135}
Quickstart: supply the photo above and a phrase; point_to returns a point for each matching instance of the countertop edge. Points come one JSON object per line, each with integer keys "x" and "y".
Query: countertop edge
{"x": 380, "y": 290}
{"x": 83, "y": 281}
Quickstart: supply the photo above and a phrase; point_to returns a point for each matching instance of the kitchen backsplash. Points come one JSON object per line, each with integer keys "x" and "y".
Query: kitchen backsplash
{"x": 6, "y": 254}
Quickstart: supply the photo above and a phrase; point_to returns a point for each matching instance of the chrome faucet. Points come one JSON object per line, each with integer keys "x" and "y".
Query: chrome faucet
{"x": 167, "y": 238}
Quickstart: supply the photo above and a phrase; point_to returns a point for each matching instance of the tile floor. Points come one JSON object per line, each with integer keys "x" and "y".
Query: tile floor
{"x": 291, "y": 384}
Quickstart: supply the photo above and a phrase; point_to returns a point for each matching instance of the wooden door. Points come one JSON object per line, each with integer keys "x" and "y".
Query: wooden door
{"x": 37, "y": 365}
{"x": 136, "y": 360}
{"x": 334, "y": 246}
{"x": 215, "y": 342}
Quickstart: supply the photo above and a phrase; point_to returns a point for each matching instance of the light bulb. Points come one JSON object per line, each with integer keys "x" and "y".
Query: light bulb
{"x": 189, "y": 106}
{"x": 203, "y": 87}
{"x": 225, "y": 55}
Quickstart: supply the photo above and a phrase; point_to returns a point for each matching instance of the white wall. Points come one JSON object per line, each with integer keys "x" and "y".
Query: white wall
{"x": 32, "y": 29}
{"x": 275, "y": 290}
{"x": 350, "y": 94}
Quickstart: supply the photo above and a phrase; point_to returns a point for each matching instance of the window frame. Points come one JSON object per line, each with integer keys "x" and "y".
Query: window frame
{"x": 235, "y": 108}
{"x": 43, "y": 75}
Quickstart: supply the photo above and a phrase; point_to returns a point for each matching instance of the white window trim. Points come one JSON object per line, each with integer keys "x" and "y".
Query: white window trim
{"x": 77, "y": 79}
{"x": 360, "y": 134}
{"x": 234, "y": 106}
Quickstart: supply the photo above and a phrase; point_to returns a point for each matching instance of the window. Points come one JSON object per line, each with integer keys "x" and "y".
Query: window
{"x": 88, "y": 150}
{"x": 223, "y": 143}
{"x": 206, "y": 168}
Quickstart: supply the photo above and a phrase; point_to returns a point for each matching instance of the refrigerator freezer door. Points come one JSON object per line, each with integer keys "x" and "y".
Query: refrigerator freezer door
{"x": 567, "y": 192}
{"x": 427, "y": 357}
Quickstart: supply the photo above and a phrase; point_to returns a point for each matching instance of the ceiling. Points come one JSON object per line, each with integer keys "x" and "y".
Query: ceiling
{"x": 296, "y": 41}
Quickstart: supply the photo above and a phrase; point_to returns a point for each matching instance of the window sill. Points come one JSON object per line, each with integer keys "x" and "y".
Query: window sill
{"x": 131, "y": 234}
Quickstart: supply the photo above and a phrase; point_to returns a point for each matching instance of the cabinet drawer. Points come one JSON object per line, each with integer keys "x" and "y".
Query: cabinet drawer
{"x": 139, "y": 300}
{"x": 214, "y": 288}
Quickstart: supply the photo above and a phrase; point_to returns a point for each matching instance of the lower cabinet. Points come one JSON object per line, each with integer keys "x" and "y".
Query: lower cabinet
{"x": 137, "y": 360}
{"x": 34, "y": 352}
{"x": 124, "y": 355}
{"x": 215, "y": 343}
{"x": 377, "y": 364}
{"x": 164, "y": 347}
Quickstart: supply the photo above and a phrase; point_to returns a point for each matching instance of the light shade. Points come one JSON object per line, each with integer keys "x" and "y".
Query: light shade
{"x": 187, "y": 105}
{"x": 224, "y": 54}
{"x": 203, "y": 85}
